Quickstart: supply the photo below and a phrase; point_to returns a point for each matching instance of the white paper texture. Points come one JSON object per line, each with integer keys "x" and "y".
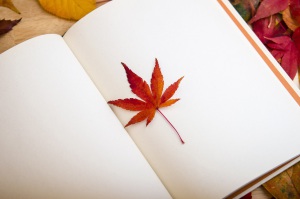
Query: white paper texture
{"x": 236, "y": 118}
{"x": 58, "y": 137}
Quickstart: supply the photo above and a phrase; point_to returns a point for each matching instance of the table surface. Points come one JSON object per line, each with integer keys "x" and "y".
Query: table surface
{"x": 35, "y": 21}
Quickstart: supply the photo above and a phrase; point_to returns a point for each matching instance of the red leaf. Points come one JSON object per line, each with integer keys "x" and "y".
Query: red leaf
{"x": 268, "y": 8}
{"x": 247, "y": 196}
{"x": 152, "y": 101}
{"x": 142, "y": 115}
{"x": 272, "y": 26}
{"x": 289, "y": 52}
{"x": 131, "y": 104}
{"x": 296, "y": 38}
{"x": 170, "y": 91}
{"x": 168, "y": 103}
{"x": 138, "y": 85}
{"x": 295, "y": 10}
{"x": 7, "y": 25}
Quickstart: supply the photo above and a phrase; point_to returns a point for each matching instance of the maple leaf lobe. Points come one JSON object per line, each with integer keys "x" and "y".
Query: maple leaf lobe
{"x": 131, "y": 104}
{"x": 157, "y": 83}
{"x": 138, "y": 85}
{"x": 142, "y": 115}
{"x": 151, "y": 99}
{"x": 168, "y": 103}
{"x": 170, "y": 91}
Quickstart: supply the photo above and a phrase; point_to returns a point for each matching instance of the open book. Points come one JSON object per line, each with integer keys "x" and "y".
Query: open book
{"x": 60, "y": 139}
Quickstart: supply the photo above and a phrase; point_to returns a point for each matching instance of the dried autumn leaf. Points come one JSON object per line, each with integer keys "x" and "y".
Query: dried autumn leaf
{"x": 246, "y": 8}
{"x": 247, "y": 196}
{"x": 9, "y": 4}
{"x": 69, "y": 9}
{"x": 286, "y": 53}
{"x": 296, "y": 39}
{"x": 289, "y": 20}
{"x": 7, "y": 25}
{"x": 269, "y": 27}
{"x": 152, "y": 96}
{"x": 295, "y": 10}
{"x": 296, "y": 176}
{"x": 286, "y": 184}
{"x": 268, "y": 8}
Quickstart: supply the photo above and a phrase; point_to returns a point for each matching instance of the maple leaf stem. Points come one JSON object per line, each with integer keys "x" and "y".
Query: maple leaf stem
{"x": 171, "y": 125}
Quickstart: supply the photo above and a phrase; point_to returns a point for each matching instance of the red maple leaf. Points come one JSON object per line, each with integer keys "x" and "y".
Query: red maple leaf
{"x": 152, "y": 97}
{"x": 268, "y": 8}
{"x": 285, "y": 52}
{"x": 269, "y": 27}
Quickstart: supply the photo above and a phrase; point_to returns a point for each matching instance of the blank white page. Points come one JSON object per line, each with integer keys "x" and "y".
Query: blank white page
{"x": 58, "y": 137}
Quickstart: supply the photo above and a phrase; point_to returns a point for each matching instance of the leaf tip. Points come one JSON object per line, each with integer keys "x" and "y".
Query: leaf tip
{"x": 7, "y": 25}
{"x": 125, "y": 67}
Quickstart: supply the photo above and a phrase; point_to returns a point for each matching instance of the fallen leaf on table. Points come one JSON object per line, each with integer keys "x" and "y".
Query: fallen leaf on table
{"x": 269, "y": 27}
{"x": 296, "y": 39}
{"x": 286, "y": 184}
{"x": 247, "y": 196}
{"x": 246, "y": 8}
{"x": 289, "y": 20}
{"x": 152, "y": 99}
{"x": 286, "y": 53}
{"x": 9, "y": 4}
{"x": 69, "y": 9}
{"x": 268, "y": 8}
{"x": 7, "y": 25}
{"x": 295, "y": 10}
{"x": 296, "y": 176}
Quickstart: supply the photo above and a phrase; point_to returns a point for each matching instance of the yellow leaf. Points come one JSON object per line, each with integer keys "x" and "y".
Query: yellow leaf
{"x": 286, "y": 184}
{"x": 9, "y": 4}
{"x": 69, "y": 9}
